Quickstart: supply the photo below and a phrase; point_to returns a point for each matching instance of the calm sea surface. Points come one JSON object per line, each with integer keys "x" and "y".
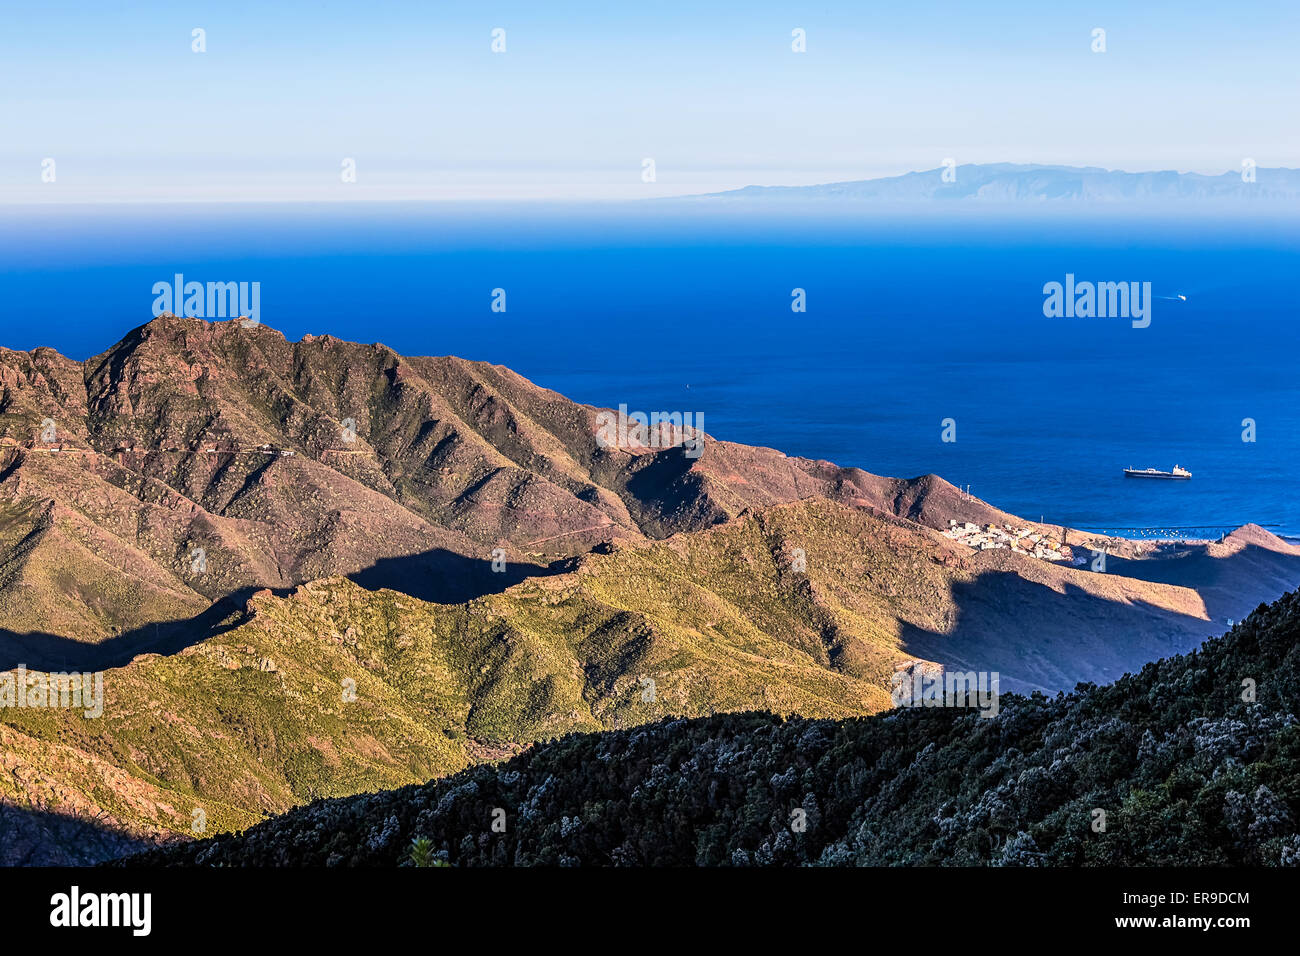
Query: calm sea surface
{"x": 912, "y": 317}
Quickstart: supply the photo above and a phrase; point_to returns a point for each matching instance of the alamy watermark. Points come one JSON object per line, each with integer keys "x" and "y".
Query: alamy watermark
{"x": 38, "y": 689}
{"x": 133, "y": 911}
{"x": 931, "y": 687}
{"x": 637, "y": 430}
{"x": 212, "y": 300}
{"x": 1103, "y": 300}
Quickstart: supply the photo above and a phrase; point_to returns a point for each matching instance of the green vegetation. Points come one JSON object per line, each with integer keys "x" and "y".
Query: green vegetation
{"x": 421, "y": 854}
{"x": 337, "y": 690}
{"x": 1187, "y": 767}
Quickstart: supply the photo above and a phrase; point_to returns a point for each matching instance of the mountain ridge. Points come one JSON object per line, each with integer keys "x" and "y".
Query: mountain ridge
{"x": 1035, "y": 183}
{"x": 287, "y": 607}
{"x": 448, "y": 458}
{"x": 1176, "y": 765}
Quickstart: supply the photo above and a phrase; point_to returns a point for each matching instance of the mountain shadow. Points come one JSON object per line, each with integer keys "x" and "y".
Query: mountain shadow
{"x": 52, "y": 652}
{"x": 439, "y": 576}
{"x": 1232, "y": 586}
{"x": 1039, "y": 638}
{"x": 445, "y": 577}
{"x": 44, "y": 838}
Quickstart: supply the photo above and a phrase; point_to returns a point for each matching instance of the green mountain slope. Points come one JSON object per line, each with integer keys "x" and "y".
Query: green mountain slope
{"x": 1185, "y": 771}
{"x": 337, "y": 690}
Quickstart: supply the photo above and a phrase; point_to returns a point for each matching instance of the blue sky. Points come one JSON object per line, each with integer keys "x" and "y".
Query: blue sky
{"x": 585, "y": 91}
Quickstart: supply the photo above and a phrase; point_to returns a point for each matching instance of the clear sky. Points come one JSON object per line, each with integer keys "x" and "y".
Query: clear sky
{"x": 584, "y": 92}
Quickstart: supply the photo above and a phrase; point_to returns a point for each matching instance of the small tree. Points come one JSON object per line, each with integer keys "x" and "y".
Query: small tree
{"x": 421, "y": 853}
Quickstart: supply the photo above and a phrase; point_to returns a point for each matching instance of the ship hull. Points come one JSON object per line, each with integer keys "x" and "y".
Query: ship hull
{"x": 1165, "y": 476}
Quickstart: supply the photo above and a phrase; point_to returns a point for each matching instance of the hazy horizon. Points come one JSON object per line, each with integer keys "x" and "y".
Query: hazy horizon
{"x": 617, "y": 196}
{"x": 575, "y": 101}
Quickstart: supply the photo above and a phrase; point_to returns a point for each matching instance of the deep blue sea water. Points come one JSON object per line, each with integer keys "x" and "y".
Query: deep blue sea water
{"x": 913, "y": 317}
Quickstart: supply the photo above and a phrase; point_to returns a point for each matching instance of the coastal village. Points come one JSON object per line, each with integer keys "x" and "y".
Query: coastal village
{"x": 1021, "y": 540}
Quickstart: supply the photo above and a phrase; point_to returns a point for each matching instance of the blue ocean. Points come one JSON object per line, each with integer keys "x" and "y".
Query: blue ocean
{"x": 912, "y": 317}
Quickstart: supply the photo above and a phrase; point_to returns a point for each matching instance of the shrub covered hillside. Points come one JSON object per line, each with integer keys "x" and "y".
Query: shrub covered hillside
{"x": 1186, "y": 768}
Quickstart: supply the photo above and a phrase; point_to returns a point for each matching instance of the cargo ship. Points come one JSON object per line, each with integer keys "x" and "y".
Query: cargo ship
{"x": 1177, "y": 473}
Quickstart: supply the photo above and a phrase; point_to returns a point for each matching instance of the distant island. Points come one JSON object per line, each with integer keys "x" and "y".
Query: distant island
{"x": 1020, "y": 183}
